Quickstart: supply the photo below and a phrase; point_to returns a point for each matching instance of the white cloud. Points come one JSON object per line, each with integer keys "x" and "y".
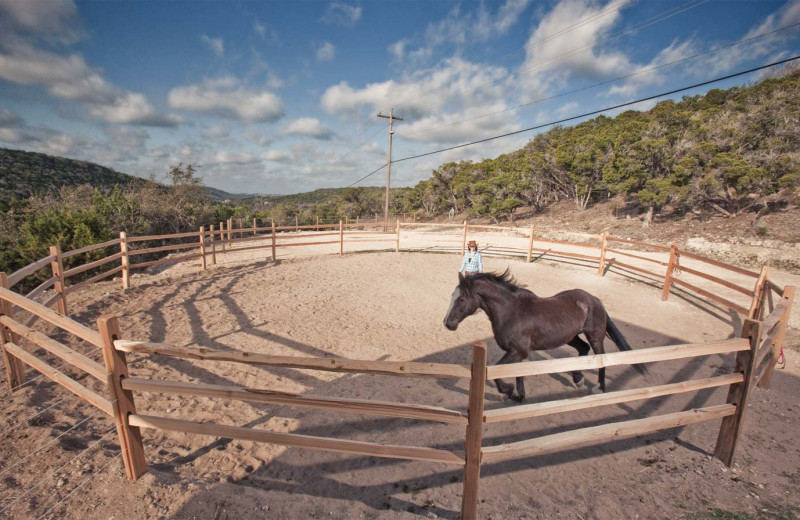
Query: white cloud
{"x": 71, "y": 78}
{"x": 231, "y": 158}
{"x": 342, "y": 14}
{"x": 398, "y": 49}
{"x": 266, "y": 32}
{"x": 567, "y": 109}
{"x": 718, "y": 62}
{"x": 48, "y": 20}
{"x": 645, "y": 77}
{"x": 260, "y": 29}
{"x": 308, "y": 127}
{"x": 259, "y": 138}
{"x": 132, "y": 108}
{"x": 554, "y": 56}
{"x": 15, "y": 131}
{"x": 280, "y": 156}
{"x": 727, "y": 59}
{"x": 217, "y": 45}
{"x": 453, "y": 84}
{"x": 326, "y": 52}
{"x": 461, "y": 126}
{"x": 9, "y": 118}
{"x": 227, "y": 98}
{"x": 24, "y": 61}
{"x": 460, "y": 29}
{"x": 218, "y": 133}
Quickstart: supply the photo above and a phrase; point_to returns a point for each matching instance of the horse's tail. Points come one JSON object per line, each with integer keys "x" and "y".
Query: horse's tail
{"x": 622, "y": 344}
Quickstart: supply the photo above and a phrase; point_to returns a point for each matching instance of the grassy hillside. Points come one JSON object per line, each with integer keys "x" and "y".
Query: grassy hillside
{"x": 23, "y": 174}
{"x": 727, "y": 151}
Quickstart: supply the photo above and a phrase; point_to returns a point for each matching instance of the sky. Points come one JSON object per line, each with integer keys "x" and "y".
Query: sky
{"x": 275, "y": 97}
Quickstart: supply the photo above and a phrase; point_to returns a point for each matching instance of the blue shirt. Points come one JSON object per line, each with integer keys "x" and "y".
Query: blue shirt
{"x": 471, "y": 265}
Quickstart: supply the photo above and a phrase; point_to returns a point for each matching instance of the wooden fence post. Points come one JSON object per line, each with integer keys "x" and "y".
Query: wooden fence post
{"x": 15, "y": 369}
{"x": 358, "y": 220}
{"x": 130, "y": 438}
{"x": 126, "y": 261}
{"x": 601, "y": 269}
{"x": 376, "y": 219}
{"x": 673, "y": 259}
{"x": 464, "y": 239}
{"x": 341, "y": 238}
{"x": 346, "y": 221}
{"x": 274, "y": 256}
{"x": 222, "y": 235}
{"x": 296, "y": 224}
{"x": 230, "y": 231}
{"x": 316, "y": 226}
{"x": 213, "y": 247}
{"x": 530, "y": 246}
{"x": 474, "y": 437}
{"x": 757, "y": 304}
{"x": 738, "y": 394}
{"x": 203, "y": 245}
{"x": 777, "y": 345}
{"x": 397, "y": 243}
{"x": 60, "y": 286}
{"x": 255, "y": 226}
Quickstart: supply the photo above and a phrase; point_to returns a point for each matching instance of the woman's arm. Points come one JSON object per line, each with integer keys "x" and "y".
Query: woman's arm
{"x": 480, "y": 262}
{"x": 464, "y": 263}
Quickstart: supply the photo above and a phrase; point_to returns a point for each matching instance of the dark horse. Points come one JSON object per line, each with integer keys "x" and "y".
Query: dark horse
{"x": 522, "y": 321}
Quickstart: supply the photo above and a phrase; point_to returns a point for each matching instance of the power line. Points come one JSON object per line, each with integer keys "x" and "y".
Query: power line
{"x": 594, "y": 112}
{"x": 359, "y": 145}
{"x": 367, "y": 175}
{"x": 562, "y": 94}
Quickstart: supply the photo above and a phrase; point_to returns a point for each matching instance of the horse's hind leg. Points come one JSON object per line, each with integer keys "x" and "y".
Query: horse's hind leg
{"x": 596, "y": 341}
{"x": 520, "y": 390}
{"x": 511, "y": 356}
{"x": 583, "y": 349}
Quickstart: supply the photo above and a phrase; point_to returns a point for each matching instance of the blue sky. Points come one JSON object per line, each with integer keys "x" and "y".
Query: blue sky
{"x": 282, "y": 97}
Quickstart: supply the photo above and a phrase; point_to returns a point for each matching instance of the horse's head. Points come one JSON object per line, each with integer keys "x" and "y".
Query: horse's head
{"x": 463, "y": 303}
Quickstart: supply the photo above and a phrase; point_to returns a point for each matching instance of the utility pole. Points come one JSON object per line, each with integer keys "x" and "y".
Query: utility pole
{"x": 391, "y": 117}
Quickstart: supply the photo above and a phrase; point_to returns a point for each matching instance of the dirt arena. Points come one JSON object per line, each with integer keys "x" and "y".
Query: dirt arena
{"x": 389, "y": 306}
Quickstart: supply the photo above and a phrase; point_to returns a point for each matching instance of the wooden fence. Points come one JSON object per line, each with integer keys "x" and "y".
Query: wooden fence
{"x": 756, "y": 354}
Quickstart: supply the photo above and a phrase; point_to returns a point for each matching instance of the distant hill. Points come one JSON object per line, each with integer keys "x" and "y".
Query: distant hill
{"x": 312, "y": 198}
{"x": 23, "y": 174}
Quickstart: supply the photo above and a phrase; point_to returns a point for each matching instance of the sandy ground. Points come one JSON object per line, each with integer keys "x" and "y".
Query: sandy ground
{"x": 385, "y": 306}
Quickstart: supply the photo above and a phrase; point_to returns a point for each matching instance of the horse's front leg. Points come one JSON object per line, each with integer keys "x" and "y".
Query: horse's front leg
{"x": 511, "y": 356}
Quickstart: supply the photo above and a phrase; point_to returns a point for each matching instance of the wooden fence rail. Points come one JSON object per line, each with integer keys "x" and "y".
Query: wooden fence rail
{"x": 294, "y": 235}
{"x": 396, "y": 368}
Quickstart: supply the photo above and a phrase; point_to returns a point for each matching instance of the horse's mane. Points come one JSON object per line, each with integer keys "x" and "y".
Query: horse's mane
{"x": 505, "y": 279}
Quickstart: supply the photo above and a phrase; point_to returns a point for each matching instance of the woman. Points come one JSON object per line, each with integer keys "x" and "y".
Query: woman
{"x": 472, "y": 259}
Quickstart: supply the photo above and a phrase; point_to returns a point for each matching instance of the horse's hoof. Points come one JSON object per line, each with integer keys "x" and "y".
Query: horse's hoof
{"x": 578, "y": 383}
{"x": 517, "y": 398}
{"x": 597, "y": 390}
